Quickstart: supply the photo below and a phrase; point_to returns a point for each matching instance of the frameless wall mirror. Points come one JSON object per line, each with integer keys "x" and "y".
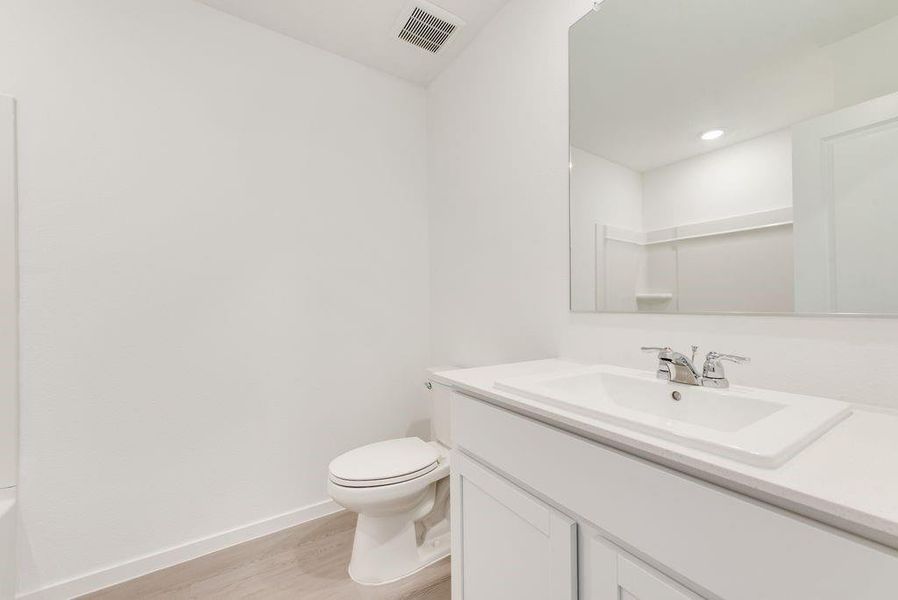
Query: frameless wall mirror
{"x": 735, "y": 157}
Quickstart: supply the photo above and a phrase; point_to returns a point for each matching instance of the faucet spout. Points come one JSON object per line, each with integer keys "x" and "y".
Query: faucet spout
{"x": 681, "y": 368}
{"x": 683, "y": 373}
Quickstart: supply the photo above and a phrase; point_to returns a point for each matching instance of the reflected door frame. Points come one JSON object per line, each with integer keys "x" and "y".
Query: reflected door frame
{"x": 814, "y": 143}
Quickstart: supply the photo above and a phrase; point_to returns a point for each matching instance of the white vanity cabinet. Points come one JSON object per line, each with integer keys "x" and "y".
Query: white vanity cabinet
{"x": 525, "y": 491}
{"x": 509, "y": 544}
{"x": 608, "y": 573}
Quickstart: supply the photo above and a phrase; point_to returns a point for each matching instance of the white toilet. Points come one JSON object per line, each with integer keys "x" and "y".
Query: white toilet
{"x": 400, "y": 489}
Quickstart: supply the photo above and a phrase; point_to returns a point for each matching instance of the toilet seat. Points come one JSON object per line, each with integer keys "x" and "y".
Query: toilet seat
{"x": 384, "y": 463}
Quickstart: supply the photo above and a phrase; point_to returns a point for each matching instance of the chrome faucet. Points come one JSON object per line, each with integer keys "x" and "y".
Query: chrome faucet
{"x": 678, "y": 368}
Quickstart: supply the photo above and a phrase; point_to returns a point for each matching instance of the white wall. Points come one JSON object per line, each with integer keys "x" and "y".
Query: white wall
{"x": 223, "y": 273}
{"x": 499, "y": 237}
{"x": 605, "y": 191}
{"x": 9, "y": 349}
{"x": 752, "y": 176}
{"x": 9, "y": 298}
{"x": 859, "y": 69}
{"x": 497, "y": 129}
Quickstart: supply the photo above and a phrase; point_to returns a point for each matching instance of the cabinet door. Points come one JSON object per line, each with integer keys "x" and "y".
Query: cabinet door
{"x": 506, "y": 544}
{"x": 610, "y": 574}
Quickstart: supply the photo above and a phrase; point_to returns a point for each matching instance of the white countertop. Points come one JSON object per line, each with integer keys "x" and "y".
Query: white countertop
{"x": 848, "y": 478}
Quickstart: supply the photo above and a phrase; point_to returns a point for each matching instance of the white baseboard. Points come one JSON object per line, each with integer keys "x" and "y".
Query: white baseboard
{"x": 102, "y": 578}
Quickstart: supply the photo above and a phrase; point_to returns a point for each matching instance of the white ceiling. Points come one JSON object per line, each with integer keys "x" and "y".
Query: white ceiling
{"x": 364, "y": 30}
{"x": 649, "y": 76}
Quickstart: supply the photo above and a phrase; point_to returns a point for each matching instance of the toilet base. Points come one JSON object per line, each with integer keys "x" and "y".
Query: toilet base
{"x": 425, "y": 560}
{"x": 390, "y": 548}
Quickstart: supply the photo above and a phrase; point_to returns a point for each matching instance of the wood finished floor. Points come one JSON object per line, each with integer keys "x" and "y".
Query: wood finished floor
{"x": 308, "y": 562}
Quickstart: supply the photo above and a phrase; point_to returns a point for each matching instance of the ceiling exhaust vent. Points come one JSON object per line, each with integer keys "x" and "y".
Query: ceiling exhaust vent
{"x": 427, "y": 26}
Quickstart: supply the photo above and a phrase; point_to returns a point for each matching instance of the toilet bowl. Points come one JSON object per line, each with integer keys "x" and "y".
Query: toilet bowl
{"x": 400, "y": 490}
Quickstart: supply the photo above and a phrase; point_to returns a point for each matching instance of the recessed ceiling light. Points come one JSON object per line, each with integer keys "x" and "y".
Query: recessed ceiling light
{"x": 712, "y": 134}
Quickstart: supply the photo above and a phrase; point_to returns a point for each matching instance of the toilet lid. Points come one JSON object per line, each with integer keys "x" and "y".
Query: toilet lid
{"x": 391, "y": 461}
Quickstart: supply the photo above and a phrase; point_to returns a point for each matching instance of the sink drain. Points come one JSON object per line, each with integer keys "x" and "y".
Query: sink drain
{"x": 676, "y": 396}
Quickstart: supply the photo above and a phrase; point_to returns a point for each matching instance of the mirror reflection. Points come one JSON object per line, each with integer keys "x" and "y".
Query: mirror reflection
{"x": 734, "y": 156}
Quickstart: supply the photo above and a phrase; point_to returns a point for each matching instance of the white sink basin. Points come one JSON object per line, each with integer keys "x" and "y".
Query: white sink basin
{"x": 754, "y": 426}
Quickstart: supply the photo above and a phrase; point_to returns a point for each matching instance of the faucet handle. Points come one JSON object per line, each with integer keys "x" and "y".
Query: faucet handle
{"x": 716, "y": 356}
{"x": 665, "y": 353}
{"x": 713, "y": 371}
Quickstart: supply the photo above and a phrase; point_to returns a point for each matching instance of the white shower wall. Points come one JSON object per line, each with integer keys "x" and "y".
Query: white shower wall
{"x": 615, "y": 211}
{"x": 749, "y": 271}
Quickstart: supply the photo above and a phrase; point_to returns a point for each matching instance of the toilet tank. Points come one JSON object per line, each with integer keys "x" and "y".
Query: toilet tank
{"x": 440, "y": 429}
